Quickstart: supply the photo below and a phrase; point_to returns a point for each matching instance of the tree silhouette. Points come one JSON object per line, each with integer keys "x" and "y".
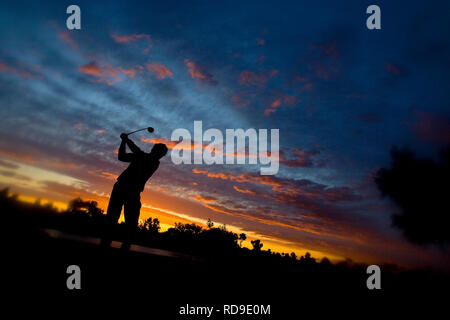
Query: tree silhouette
{"x": 242, "y": 237}
{"x": 209, "y": 223}
{"x": 151, "y": 225}
{"x": 307, "y": 259}
{"x": 79, "y": 206}
{"x": 257, "y": 245}
{"x": 420, "y": 189}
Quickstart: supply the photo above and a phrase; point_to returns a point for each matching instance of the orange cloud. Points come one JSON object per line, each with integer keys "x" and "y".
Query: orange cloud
{"x": 244, "y": 177}
{"x": 130, "y": 37}
{"x": 91, "y": 68}
{"x": 65, "y": 36}
{"x": 290, "y": 100}
{"x": 159, "y": 70}
{"x": 62, "y": 164}
{"x": 129, "y": 72}
{"x": 306, "y": 87}
{"x": 170, "y": 144}
{"x": 269, "y": 111}
{"x": 23, "y": 157}
{"x": 276, "y": 103}
{"x": 12, "y": 70}
{"x": 300, "y": 158}
{"x": 204, "y": 199}
{"x": 246, "y": 191}
{"x": 283, "y": 99}
{"x": 196, "y": 72}
{"x": 110, "y": 175}
{"x": 28, "y": 158}
{"x": 250, "y": 78}
{"x": 106, "y": 73}
{"x": 80, "y": 126}
{"x": 243, "y": 98}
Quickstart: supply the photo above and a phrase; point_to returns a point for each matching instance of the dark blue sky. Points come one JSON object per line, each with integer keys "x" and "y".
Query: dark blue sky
{"x": 341, "y": 95}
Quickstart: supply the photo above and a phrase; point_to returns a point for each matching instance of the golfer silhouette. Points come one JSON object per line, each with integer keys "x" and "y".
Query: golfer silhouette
{"x": 127, "y": 190}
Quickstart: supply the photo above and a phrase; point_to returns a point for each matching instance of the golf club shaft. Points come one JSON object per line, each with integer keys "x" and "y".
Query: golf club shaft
{"x": 136, "y": 131}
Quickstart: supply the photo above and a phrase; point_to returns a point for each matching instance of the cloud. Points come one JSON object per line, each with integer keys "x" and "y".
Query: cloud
{"x": 241, "y": 101}
{"x": 13, "y": 174}
{"x": 80, "y": 126}
{"x": 170, "y": 144}
{"x": 250, "y": 78}
{"x": 322, "y": 60}
{"x": 129, "y": 72}
{"x": 91, "y": 68}
{"x": 431, "y": 127}
{"x": 159, "y": 70}
{"x": 246, "y": 191}
{"x": 307, "y": 87}
{"x": 287, "y": 190}
{"x": 106, "y": 73}
{"x": 110, "y": 175}
{"x": 23, "y": 157}
{"x": 62, "y": 164}
{"x": 67, "y": 38}
{"x": 204, "y": 199}
{"x": 130, "y": 37}
{"x": 8, "y": 165}
{"x": 197, "y": 72}
{"x": 298, "y": 158}
{"x": 16, "y": 71}
{"x": 279, "y": 101}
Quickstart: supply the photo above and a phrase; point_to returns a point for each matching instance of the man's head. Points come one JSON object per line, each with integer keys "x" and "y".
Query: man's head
{"x": 159, "y": 150}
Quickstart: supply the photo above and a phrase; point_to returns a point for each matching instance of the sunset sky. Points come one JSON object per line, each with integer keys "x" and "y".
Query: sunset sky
{"x": 340, "y": 94}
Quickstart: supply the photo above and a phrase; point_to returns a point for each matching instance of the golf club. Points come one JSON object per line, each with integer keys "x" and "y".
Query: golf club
{"x": 149, "y": 129}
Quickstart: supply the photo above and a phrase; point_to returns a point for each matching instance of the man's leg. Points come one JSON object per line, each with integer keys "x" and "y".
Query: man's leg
{"x": 132, "y": 209}
{"x": 116, "y": 201}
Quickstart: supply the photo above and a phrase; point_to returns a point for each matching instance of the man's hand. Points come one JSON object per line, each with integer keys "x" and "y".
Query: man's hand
{"x": 123, "y": 136}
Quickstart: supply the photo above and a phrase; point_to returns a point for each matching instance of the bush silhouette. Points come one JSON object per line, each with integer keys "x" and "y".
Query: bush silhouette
{"x": 420, "y": 189}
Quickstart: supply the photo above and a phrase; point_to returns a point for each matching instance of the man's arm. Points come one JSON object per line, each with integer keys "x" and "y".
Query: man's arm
{"x": 123, "y": 155}
{"x": 134, "y": 148}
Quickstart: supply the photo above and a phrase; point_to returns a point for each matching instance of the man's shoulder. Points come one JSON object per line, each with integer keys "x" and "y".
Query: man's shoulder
{"x": 151, "y": 158}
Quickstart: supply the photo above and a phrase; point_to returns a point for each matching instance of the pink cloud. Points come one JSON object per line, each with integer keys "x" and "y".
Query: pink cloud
{"x": 298, "y": 158}
{"x": 106, "y": 73}
{"x": 66, "y": 37}
{"x": 159, "y": 70}
{"x": 197, "y": 72}
{"x": 132, "y": 38}
{"x": 250, "y": 78}
{"x": 279, "y": 101}
{"x": 19, "y": 72}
